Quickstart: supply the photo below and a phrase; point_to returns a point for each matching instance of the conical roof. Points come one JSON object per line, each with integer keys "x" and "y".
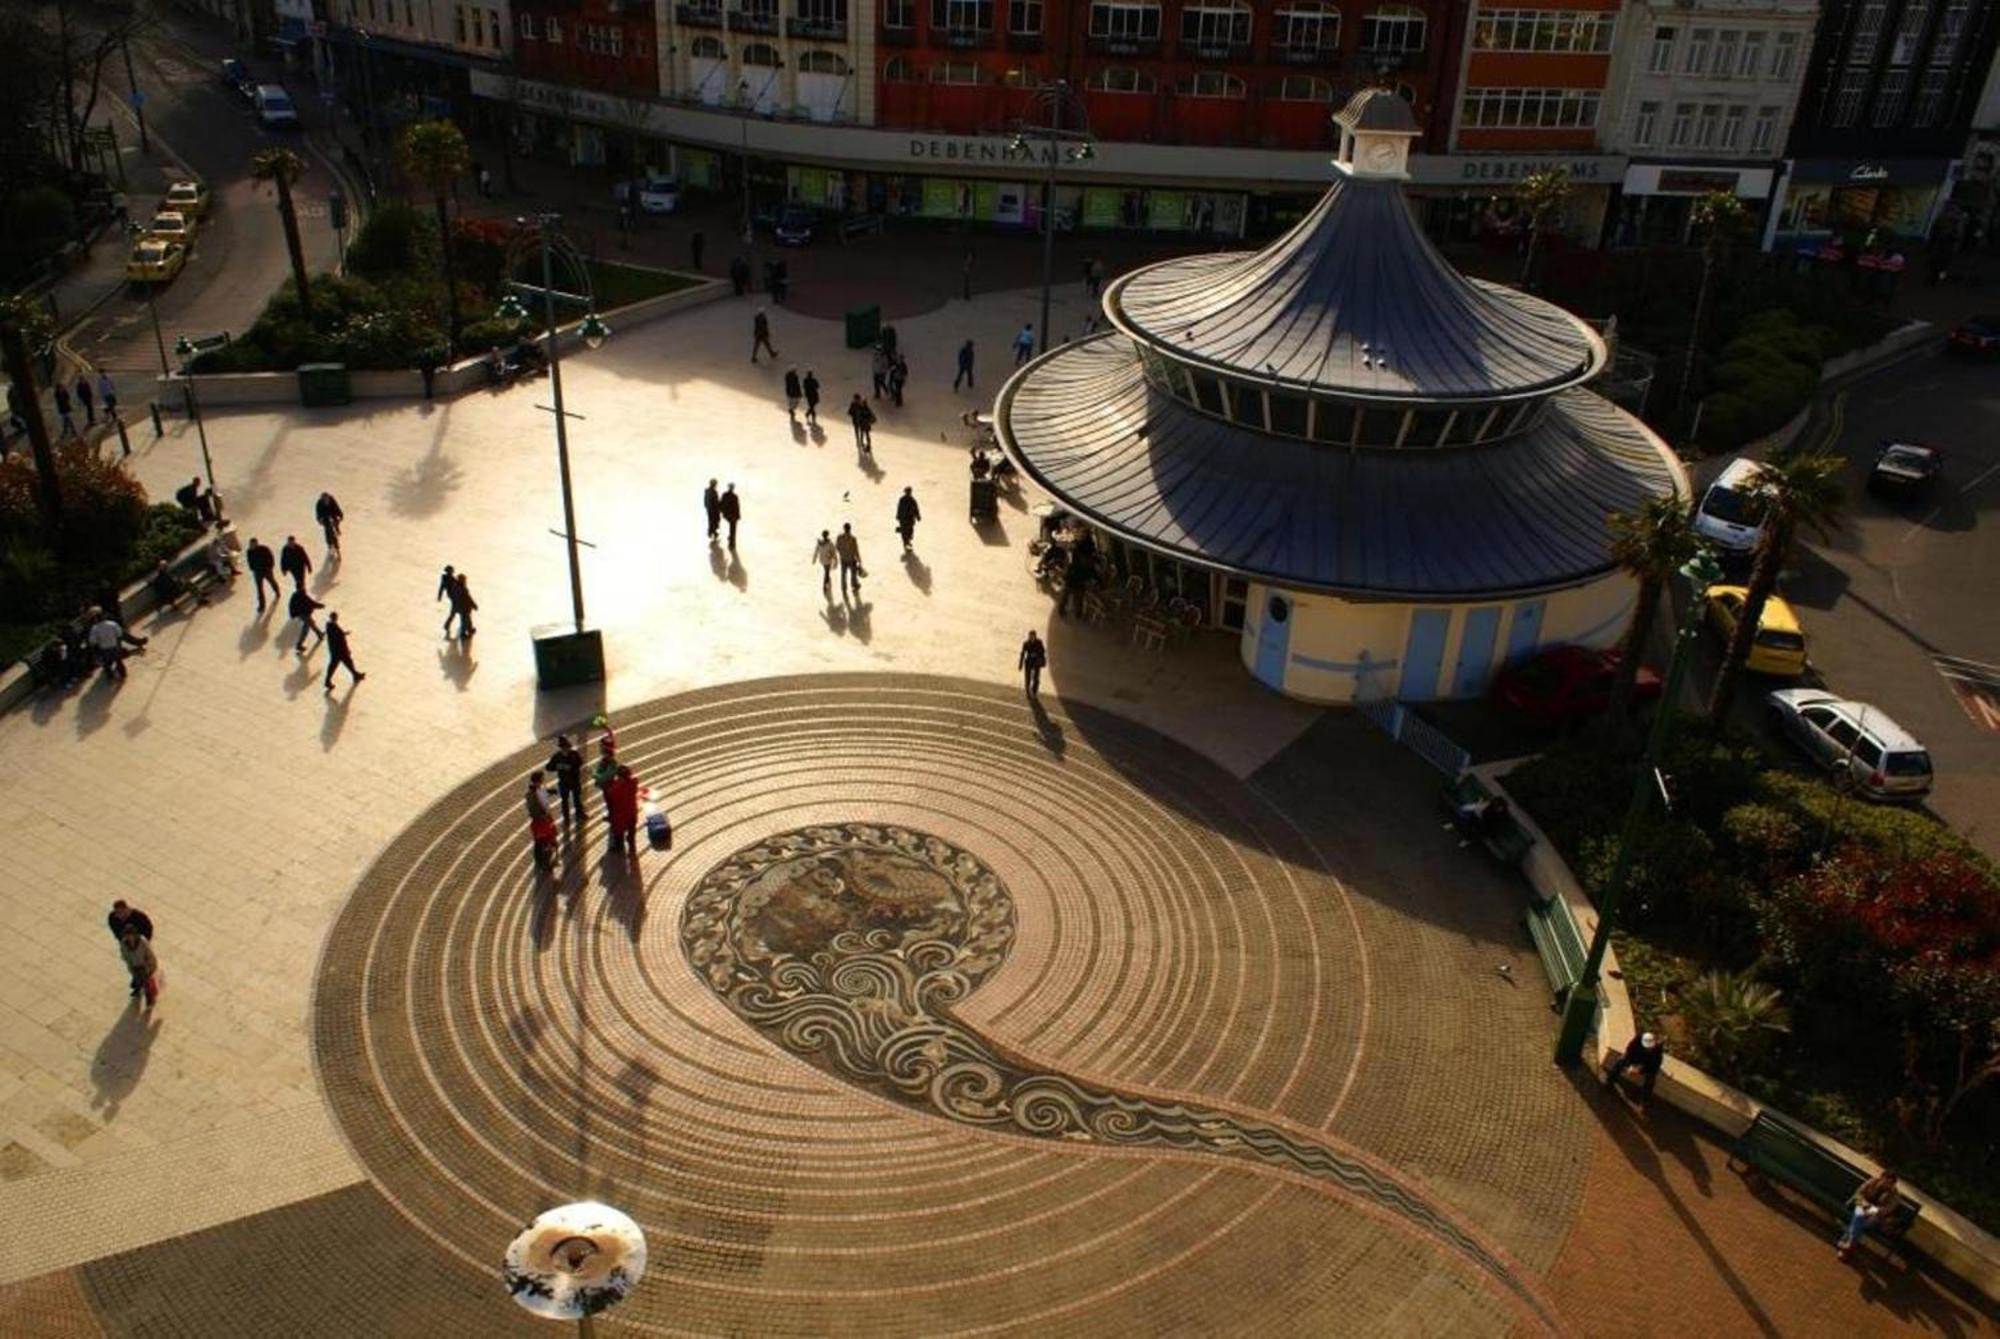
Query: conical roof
{"x": 1355, "y": 300}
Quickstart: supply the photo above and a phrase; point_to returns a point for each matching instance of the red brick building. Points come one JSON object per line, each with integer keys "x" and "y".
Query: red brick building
{"x": 605, "y": 46}
{"x": 1196, "y": 72}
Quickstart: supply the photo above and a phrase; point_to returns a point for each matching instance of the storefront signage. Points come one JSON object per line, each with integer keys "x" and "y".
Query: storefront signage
{"x": 1868, "y": 172}
{"x": 1681, "y": 181}
{"x": 1872, "y": 171}
{"x": 1502, "y": 169}
{"x": 931, "y": 149}
{"x": 1746, "y": 183}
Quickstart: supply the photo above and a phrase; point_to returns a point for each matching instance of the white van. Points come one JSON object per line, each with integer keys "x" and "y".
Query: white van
{"x": 1731, "y": 515}
{"x": 274, "y": 107}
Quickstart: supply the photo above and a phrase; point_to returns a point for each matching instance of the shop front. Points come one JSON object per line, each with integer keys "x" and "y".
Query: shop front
{"x": 1656, "y": 203}
{"x": 1857, "y": 198}
{"x": 1470, "y": 197}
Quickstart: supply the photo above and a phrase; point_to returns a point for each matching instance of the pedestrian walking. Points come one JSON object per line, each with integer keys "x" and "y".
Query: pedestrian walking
{"x": 907, "y": 516}
{"x": 964, "y": 367}
{"x": 541, "y": 821}
{"x": 448, "y": 590}
{"x": 112, "y": 603}
{"x": 105, "y": 639}
{"x": 262, "y": 563}
{"x": 621, "y": 807}
{"x": 739, "y": 275}
{"x": 293, "y": 562}
{"x": 462, "y": 605}
{"x": 567, "y": 765}
{"x": 302, "y": 608}
{"x": 339, "y": 651}
{"x": 1034, "y": 655}
{"x": 848, "y": 548}
{"x": 142, "y": 965}
{"x": 204, "y": 506}
{"x": 87, "y": 399}
{"x": 827, "y": 557}
{"x": 485, "y": 178}
{"x": 811, "y": 387}
{"x": 1645, "y": 1053}
{"x": 124, "y": 916}
{"x": 863, "y": 419}
{"x": 1093, "y": 275}
{"x": 1024, "y": 344}
{"x": 760, "y": 335}
{"x": 793, "y": 392}
{"x": 711, "y": 502}
{"x": 107, "y": 394}
{"x": 731, "y": 507}
{"x": 327, "y": 511}
{"x": 63, "y": 410}
{"x": 899, "y": 372}
{"x": 696, "y": 245}
{"x": 879, "y": 366}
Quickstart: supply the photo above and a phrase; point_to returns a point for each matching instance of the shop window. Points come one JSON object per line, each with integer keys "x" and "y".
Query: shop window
{"x": 1208, "y": 394}
{"x": 708, "y": 48}
{"x": 1660, "y": 56}
{"x": 1024, "y": 18}
{"x": 962, "y": 15}
{"x": 1784, "y": 55}
{"x": 1235, "y": 601}
{"x": 1288, "y": 413}
{"x": 1306, "y": 27}
{"x": 1380, "y": 426}
{"x": 1425, "y": 427}
{"x": 1394, "y": 29}
{"x": 960, "y": 72}
{"x": 1213, "y": 25}
{"x": 1246, "y": 404}
{"x": 1463, "y": 430}
{"x": 1304, "y": 88}
{"x": 821, "y": 62}
{"x": 1124, "y": 20}
{"x": 1215, "y": 84}
{"x": 1645, "y": 124}
{"x": 1332, "y": 422}
{"x": 899, "y": 13}
{"x": 1121, "y": 79}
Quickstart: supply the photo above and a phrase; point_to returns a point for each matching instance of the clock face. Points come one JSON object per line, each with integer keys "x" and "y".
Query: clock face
{"x": 1381, "y": 154}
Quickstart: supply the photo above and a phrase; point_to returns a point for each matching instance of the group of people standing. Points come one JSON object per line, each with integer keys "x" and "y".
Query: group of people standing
{"x": 622, "y": 795}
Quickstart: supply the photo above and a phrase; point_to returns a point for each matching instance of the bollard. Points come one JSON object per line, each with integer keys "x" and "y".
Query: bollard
{"x": 124, "y": 441}
{"x": 157, "y": 429}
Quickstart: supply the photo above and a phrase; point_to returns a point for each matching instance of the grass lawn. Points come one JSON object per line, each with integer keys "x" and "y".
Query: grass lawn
{"x": 621, "y": 285}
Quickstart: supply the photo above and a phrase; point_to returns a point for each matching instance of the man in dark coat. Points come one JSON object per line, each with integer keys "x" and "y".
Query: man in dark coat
{"x": 339, "y": 651}
{"x": 731, "y": 509}
{"x": 760, "y": 336}
{"x": 293, "y": 562}
{"x": 302, "y": 608}
{"x": 907, "y": 516}
{"x": 811, "y": 387}
{"x": 1034, "y": 655}
{"x": 262, "y": 563}
{"x": 567, "y": 764}
{"x": 125, "y": 917}
{"x": 1646, "y": 1053}
{"x": 327, "y": 511}
{"x": 964, "y": 367}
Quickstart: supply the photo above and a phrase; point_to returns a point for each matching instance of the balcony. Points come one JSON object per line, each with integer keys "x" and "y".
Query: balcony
{"x": 963, "y": 39}
{"x": 741, "y": 21}
{"x": 1123, "y": 46}
{"x": 1323, "y": 56}
{"x": 1026, "y": 42}
{"x": 817, "y": 30}
{"x": 697, "y": 16}
{"x": 1237, "y": 51}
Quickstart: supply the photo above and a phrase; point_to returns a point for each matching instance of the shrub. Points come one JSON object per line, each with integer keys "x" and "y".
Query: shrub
{"x": 102, "y": 506}
{"x": 1733, "y": 1019}
{"x": 489, "y": 334}
{"x": 397, "y": 239}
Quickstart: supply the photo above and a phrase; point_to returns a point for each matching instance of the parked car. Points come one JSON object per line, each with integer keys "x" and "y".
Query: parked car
{"x": 1567, "y": 684}
{"x": 274, "y": 108}
{"x": 1905, "y": 467}
{"x": 654, "y": 195}
{"x": 171, "y": 226}
{"x": 1977, "y": 336}
{"x": 795, "y": 226}
{"x": 187, "y": 197}
{"x": 1880, "y": 758}
{"x": 154, "y": 260}
{"x": 238, "y": 77}
{"x": 1731, "y": 513}
{"x": 1779, "y": 648}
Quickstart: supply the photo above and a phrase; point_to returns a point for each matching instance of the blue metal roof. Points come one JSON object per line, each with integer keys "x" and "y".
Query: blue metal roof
{"x": 1524, "y": 514}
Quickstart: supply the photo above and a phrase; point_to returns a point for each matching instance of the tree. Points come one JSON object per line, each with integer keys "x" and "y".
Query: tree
{"x": 1649, "y": 545}
{"x": 1539, "y": 194}
{"x": 1717, "y": 214}
{"x": 434, "y": 153}
{"x": 1798, "y": 491}
{"x": 282, "y": 167}
{"x": 23, "y": 322}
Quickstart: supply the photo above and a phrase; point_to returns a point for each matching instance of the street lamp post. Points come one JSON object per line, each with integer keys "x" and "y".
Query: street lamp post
{"x": 185, "y": 349}
{"x": 1580, "y": 1006}
{"x": 1058, "y": 144}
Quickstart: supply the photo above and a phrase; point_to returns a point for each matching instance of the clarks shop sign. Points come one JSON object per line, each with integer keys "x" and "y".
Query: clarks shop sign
{"x": 1499, "y": 169}
{"x": 948, "y": 149}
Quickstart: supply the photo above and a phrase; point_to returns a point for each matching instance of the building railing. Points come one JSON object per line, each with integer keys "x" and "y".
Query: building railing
{"x": 963, "y": 39}
{"x": 1238, "y": 51}
{"x": 818, "y": 30}
{"x": 1305, "y": 55}
{"x": 742, "y": 22}
{"x": 698, "y": 16}
{"x": 1123, "y": 46}
{"x": 1030, "y": 42}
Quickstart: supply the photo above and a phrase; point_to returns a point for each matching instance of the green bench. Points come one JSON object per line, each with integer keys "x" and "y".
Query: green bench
{"x": 1558, "y": 943}
{"x": 1507, "y": 842}
{"x": 1777, "y": 1148}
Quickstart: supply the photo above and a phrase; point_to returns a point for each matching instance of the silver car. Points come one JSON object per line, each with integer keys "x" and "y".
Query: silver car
{"x": 1881, "y": 760}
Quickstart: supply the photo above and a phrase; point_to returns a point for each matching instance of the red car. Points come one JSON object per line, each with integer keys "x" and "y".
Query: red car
{"x": 1566, "y": 684}
{"x": 1978, "y": 336}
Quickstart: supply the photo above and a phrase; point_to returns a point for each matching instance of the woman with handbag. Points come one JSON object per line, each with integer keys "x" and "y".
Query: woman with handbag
{"x": 142, "y": 963}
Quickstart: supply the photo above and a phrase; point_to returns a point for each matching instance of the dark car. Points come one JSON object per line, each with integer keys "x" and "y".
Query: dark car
{"x": 237, "y": 75}
{"x": 1567, "y": 684}
{"x": 1905, "y": 467}
{"x": 795, "y": 226}
{"x": 1978, "y": 336}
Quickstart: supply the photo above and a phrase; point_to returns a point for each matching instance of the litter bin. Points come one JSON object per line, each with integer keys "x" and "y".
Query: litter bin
{"x": 324, "y": 384}
{"x": 864, "y": 325}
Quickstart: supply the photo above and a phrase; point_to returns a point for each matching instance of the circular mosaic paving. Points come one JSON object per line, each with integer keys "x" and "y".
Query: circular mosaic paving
{"x": 938, "y": 1016}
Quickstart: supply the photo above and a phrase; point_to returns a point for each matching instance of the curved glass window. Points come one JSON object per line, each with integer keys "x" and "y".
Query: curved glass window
{"x": 1333, "y": 422}
{"x": 1208, "y": 394}
{"x": 1288, "y": 414}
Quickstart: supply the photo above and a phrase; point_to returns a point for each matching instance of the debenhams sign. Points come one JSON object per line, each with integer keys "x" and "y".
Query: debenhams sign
{"x": 995, "y": 151}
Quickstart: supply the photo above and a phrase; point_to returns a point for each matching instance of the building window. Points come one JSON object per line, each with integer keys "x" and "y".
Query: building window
{"x": 1704, "y": 125}
{"x": 1562, "y": 108}
{"x": 1304, "y": 88}
{"x": 552, "y": 31}
{"x": 761, "y": 54}
{"x": 962, "y": 15}
{"x": 1215, "y": 84}
{"x": 1393, "y": 28}
{"x": 898, "y": 70}
{"x": 1951, "y": 30}
{"x": 1867, "y": 32}
{"x": 1732, "y": 127}
{"x": 1024, "y": 18}
{"x": 1125, "y": 21}
{"x": 1660, "y": 57}
{"x": 1681, "y": 130}
{"x": 823, "y": 11}
{"x": 1211, "y": 25}
{"x": 821, "y": 62}
{"x": 1645, "y": 124}
{"x": 528, "y": 27}
{"x": 1784, "y": 55}
{"x": 1306, "y": 27}
{"x": 1930, "y": 98}
{"x": 1764, "y": 131}
{"x": 458, "y": 24}
{"x": 708, "y": 48}
{"x": 899, "y": 13}
{"x": 1890, "y": 97}
{"x": 1750, "y": 60}
{"x": 960, "y": 72}
{"x": 1725, "y": 54}
{"x": 1542, "y": 30}
{"x": 1699, "y": 42}
{"x": 1023, "y": 76}
{"x": 1120, "y": 79}
{"x": 1847, "y": 96}
{"x": 1911, "y": 27}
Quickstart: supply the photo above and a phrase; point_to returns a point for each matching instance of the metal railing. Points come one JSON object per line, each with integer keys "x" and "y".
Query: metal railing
{"x": 1417, "y": 735}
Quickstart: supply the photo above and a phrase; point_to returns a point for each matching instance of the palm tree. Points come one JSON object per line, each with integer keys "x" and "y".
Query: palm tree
{"x": 1801, "y": 490}
{"x": 1718, "y": 214}
{"x": 282, "y": 167}
{"x": 1539, "y": 194}
{"x": 434, "y": 153}
{"x": 1649, "y": 545}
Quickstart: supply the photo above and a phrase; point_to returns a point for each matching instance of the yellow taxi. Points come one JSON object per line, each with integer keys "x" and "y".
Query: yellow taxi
{"x": 155, "y": 260}
{"x": 1779, "y": 648}
{"x": 172, "y": 226}
{"x": 186, "y": 197}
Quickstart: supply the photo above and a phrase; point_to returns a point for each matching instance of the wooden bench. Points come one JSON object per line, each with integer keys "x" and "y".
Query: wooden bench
{"x": 1507, "y": 842}
{"x": 1777, "y": 1148}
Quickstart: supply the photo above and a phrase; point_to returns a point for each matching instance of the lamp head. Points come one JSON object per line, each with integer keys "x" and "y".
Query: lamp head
{"x": 510, "y": 310}
{"x": 593, "y": 331}
{"x": 184, "y": 348}
{"x": 1702, "y": 571}
{"x": 1083, "y": 152}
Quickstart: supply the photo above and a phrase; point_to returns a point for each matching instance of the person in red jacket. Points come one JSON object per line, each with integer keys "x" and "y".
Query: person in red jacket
{"x": 621, "y": 798}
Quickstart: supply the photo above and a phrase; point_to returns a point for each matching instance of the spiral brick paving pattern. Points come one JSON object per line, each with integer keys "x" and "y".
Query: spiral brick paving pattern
{"x": 493, "y": 1041}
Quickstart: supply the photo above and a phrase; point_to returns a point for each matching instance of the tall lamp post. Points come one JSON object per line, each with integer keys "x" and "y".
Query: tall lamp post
{"x": 1580, "y": 1006}
{"x": 579, "y": 656}
{"x": 1059, "y": 144}
{"x": 186, "y": 349}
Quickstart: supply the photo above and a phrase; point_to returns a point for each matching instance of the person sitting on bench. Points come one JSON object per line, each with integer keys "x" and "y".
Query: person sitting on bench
{"x": 1647, "y": 1053}
{"x": 169, "y": 588}
{"x": 1874, "y": 1201}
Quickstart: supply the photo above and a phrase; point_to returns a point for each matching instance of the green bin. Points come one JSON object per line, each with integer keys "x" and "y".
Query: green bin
{"x": 864, "y": 326}
{"x": 324, "y": 384}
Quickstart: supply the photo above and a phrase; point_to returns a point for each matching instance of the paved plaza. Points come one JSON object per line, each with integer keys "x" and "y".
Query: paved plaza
{"x": 1162, "y": 1007}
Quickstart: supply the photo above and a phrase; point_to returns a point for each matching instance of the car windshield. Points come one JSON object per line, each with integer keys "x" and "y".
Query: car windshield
{"x": 793, "y": 218}
{"x": 1727, "y": 504}
{"x": 277, "y": 102}
{"x": 1909, "y": 764}
{"x": 1907, "y": 457}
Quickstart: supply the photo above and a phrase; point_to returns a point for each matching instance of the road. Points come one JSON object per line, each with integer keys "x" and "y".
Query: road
{"x": 239, "y": 256}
